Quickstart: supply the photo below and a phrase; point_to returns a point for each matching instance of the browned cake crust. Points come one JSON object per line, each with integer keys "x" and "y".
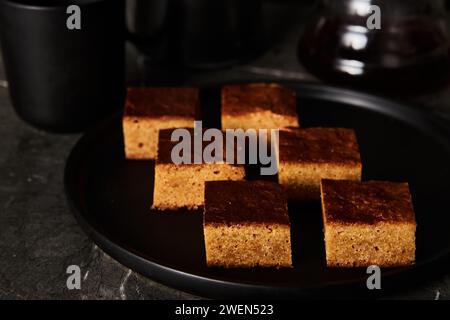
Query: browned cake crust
{"x": 165, "y": 145}
{"x": 319, "y": 145}
{"x": 368, "y": 223}
{"x": 161, "y": 102}
{"x": 258, "y": 106}
{"x": 242, "y": 99}
{"x": 147, "y": 110}
{"x": 351, "y": 202}
{"x": 246, "y": 224}
{"x": 308, "y": 155}
{"x": 245, "y": 202}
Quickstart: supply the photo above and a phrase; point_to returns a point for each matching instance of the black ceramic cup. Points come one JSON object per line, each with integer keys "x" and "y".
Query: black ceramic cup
{"x": 64, "y": 79}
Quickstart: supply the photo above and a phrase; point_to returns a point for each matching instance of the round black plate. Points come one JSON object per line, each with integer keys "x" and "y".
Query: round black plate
{"x": 111, "y": 198}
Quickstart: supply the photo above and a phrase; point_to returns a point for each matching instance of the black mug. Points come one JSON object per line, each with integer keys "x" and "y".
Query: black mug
{"x": 64, "y": 60}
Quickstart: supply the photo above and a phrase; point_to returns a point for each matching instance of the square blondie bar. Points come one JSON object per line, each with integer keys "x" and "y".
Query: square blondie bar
{"x": 150, "y": 109}
{"x": 182, "y": 185}
{"x": 246, "y": 224}
{"x": 306, "y": 156}
{"x": 368, "y": 223}
{"x": 258, "y": 106}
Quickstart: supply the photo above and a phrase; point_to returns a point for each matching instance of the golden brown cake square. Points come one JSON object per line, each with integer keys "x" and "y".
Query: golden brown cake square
{"x": 368, "y": 223}
{"x": 258, "y": 106}
{"x": 306, "y": 156}
{"x": 182, "y": 185}
{"x": 150, "y": 109}
{"x": 246, "y": 224}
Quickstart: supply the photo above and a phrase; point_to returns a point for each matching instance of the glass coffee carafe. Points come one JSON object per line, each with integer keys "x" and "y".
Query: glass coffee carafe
{"x": 389, "y": 45}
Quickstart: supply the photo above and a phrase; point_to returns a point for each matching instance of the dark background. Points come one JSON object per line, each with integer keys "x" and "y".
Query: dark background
{"x": 39, "y": 237}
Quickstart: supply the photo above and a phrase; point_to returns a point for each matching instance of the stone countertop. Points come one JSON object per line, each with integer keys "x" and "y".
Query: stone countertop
{"x": 39, "y": 237}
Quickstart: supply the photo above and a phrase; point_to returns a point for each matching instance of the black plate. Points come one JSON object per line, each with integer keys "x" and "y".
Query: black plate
{"x": 111, "y": 198}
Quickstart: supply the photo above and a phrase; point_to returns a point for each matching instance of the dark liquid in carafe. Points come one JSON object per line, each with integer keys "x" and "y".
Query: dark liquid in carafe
{"x": 402, "y": 56}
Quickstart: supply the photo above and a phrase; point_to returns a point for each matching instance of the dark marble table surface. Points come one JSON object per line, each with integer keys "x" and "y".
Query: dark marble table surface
{"x": 39, "y": 237}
